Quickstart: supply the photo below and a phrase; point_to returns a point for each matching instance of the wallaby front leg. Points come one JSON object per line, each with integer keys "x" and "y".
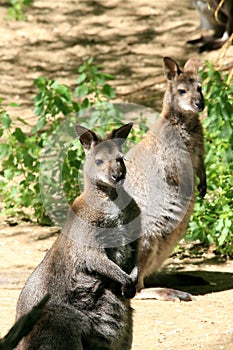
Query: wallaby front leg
{"x": 98, "y": 262}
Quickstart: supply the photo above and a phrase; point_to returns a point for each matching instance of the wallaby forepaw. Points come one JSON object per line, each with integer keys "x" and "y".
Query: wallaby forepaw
{"x": 129, "y": 290}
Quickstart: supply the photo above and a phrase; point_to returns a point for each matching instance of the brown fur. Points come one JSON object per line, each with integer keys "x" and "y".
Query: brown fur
{"x": 90, "y": 271}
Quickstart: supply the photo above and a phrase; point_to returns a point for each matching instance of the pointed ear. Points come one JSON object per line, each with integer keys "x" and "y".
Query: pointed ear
{"x": 192, "y": 65}
{"x": 121, "y": 134}
{"x": 171, "y": 68}
{"x": 87, "y": 137}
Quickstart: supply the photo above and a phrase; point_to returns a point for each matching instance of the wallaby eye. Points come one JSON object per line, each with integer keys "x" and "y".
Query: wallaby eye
{"x": 182, "y": 92}
{"x": 99, "y": 161}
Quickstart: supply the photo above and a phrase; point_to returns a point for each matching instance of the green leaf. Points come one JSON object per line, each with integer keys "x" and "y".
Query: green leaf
{"x": 85, "y": 103}
{"x": 19, "y": 135}
{"x": 54, "y": 84}
{"x": 40, "y": 124}
{"x": 4, "y": 150}
{"x": 28, "y": 160}
{"x": 90, "y": 60}
{"x": 100, "y": 80}
{"x": 81, "y": 91}
{"x": 6, "y": 121}
{"x": 8, "y": 174}
{"x": 41, "y": 82}
{"x": 108, "y": 76}
{"x": 64, "y": 91}
{"x": 108, "y": 91}
{"x": 81, "y": 78}
{"x": 222, "y": 237}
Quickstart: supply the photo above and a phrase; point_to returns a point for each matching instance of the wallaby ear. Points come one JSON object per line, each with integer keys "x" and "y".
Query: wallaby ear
{"x": 171, "y": 68}
{"x": 121, "y": 134}
{"x": 192, "y": 65}
{"x": 87, "y": 137}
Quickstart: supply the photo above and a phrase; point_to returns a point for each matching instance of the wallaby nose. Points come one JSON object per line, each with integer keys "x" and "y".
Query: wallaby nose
{"x": 118, "y": 175}
{"x": 200, "y": 104}
{"x": 118, "y": 171}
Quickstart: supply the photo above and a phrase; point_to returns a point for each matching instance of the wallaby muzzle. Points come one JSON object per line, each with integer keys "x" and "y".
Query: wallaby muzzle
{"x": 200, "y": 104}
{"x": 118, "y": 171}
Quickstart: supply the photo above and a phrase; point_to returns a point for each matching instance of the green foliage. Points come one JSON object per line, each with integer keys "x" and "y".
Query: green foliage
{"x": 58, "y": 110}
{"x": 17, "y": 8}
{"x": 212, "y": 220}
{"x": 92, "y": 81}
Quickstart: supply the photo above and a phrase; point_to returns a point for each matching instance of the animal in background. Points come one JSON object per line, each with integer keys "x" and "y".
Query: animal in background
{"x": 162, "y": 170}
{"x": 91, "y": 269}
{"x": 216, "y": 15}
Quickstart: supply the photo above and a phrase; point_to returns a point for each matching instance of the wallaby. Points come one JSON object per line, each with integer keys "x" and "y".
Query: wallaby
{"x": 90, "y": 271}
{"x": 218, "y": 16}
{"x": 161, "y": 172}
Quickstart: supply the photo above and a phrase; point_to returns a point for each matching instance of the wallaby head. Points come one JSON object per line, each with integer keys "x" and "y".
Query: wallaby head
{"x": 104, "y": 166}
{"x": 184, "y": 90}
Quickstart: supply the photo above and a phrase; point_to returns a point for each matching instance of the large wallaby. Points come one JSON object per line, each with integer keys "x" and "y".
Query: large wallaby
{"x": 161, "y": 172}
{"x": 218, "y": 16}
{"x": 90, "y": 271}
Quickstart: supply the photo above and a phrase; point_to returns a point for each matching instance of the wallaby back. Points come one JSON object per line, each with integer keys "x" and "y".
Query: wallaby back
{"x": 163, "y": 167}
{"x": 90, "y": 271}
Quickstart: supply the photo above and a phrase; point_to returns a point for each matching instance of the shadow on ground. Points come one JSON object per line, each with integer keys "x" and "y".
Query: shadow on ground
{"x": 195, "y": 282}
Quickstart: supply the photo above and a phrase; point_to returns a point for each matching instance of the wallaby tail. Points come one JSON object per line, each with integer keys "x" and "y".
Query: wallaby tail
{"x": 23, "y": 326}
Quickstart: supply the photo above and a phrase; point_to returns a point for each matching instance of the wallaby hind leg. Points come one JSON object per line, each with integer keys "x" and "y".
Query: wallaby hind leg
{"x": 52, "y": 332}
{"x": 164, "y": 294}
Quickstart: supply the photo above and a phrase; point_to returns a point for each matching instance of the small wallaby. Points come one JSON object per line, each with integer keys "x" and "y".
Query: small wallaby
{"x": 216, "y": 15}
{"x": 91, "y": 269}
{"x": 162, "y": 170}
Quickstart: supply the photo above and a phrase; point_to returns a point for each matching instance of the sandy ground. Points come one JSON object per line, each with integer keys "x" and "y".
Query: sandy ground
{"x": 204, "y": 323}
{"x": 128, "y": 38}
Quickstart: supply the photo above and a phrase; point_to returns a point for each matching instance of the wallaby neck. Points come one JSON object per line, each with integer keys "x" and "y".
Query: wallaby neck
{"x": 101, "y": 197}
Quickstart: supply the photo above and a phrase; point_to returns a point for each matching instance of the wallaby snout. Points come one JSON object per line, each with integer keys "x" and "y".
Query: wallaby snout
{"x": 117, "y": 170}
{"x": 200, "y": 104}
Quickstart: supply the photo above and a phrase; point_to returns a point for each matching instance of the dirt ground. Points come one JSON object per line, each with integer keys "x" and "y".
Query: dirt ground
{"x": 128, "y": 38}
